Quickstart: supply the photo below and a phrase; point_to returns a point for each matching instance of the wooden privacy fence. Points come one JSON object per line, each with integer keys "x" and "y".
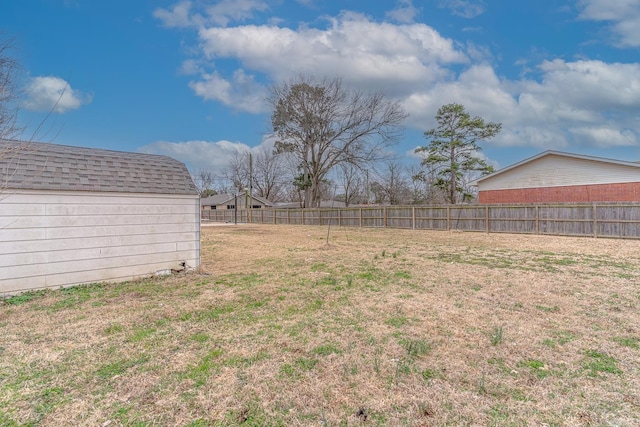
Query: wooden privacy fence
{"x": 593, "y": 220}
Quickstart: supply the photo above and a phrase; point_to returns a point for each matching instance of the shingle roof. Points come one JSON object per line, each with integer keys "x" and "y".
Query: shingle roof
{"x": 44, "y": 166}
{"x": 223, "y": 199}
{"x": 215, "y": 200}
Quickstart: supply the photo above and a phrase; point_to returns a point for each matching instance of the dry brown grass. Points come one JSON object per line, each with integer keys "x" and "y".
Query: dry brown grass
{"x": 380, "y": 327}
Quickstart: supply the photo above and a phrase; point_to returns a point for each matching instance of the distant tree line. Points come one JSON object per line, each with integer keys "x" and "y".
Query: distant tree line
{"x": 333, "y": 142}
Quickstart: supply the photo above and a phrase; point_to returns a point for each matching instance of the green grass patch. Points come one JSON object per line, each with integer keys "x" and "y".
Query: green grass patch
{"x": 536, "y": 367}
{"x": 326, "y": 349}
{"x": 200, "y": 337}
{"x": 397, "y": 321}
{"x": 631, "y": 342}
{"x": 201, "y": 372}
{"x": 415, "y": 347}
{"x": 113, "y": 329}
{"x": 120, "y": 367}
{"x": 544, "y": 308}
{"x": 596, "y": 363}
{"x": 141, "y": 334}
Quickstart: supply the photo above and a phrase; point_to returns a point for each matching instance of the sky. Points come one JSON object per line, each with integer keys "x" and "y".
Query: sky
{"x": 190, "y": 78}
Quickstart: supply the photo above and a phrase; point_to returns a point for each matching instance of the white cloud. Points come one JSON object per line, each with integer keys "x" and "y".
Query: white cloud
{"x": 178, "y": 16}
{"x": 53, "y": 93}
{"x": 241, "y": 93}
{"x": 593, "y": 84}
{"x": 226, "y": 11}
{"x": 183, "y": 14}
{"x": 604, "y": 136}
{"x": 405, "y": 13}
{"x": 191, "y": 67}
{"x": 588, "y": 103}
{"x": 464, "y": 8}
{"x": 623, "y": 15}
{"x": 478, "y": 89}
{"x": 396, "y": 57}
{"x": 198, "y": 155}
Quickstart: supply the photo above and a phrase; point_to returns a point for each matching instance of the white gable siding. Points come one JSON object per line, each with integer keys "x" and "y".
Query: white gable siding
{"x": 50, "y": 239}
{"x": 557, "y": 171}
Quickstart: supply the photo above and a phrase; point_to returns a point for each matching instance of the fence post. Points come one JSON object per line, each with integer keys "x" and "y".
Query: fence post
{"x": 384, "y": 217}
{"x": 413, "y": 217}
{"x": 486, "y": 216}
{"x": 448, "y": 218}
{"x": 595, "y": 221}
{"x": 537, "y": 219}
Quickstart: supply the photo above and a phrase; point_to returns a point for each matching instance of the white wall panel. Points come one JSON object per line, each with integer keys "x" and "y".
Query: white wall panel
{"x": 25, "y": 222}
{"x": 558, "y": 171}
{"x": 82, "y": 255}
{"x": 62, "y": 238}
{"x": 91, "y": 242}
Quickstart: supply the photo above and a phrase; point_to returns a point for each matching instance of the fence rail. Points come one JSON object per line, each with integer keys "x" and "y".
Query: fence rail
{"x": 593, "y": 220}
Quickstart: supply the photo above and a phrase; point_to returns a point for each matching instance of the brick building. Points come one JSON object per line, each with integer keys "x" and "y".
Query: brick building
{"x": 556, "y": 177}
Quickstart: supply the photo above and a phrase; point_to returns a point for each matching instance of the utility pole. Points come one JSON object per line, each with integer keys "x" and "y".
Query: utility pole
{"x": 250, "y": 186}
{"x": 367, "y": 185}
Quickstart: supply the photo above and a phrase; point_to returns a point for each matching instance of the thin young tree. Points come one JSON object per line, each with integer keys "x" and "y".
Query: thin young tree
{"x": 453, "y": 149}
{"x": 324, "y": 124}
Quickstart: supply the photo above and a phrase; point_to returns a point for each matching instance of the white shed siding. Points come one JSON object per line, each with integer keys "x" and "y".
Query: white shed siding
{"x": 558, "y": 171}
{"x": 49, "y": 238}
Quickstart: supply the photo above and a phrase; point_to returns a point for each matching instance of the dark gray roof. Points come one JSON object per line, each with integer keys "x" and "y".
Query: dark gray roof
{"x": 223, "y": 199}
{"x": 217, "y": 199}
{"x": 43, "y": 166}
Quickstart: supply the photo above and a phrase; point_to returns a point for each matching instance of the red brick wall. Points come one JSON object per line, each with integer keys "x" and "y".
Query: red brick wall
{"x": 622, "y": 192}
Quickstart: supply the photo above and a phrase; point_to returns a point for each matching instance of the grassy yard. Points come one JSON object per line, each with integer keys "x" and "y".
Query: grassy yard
{"x": 379, "y": 327}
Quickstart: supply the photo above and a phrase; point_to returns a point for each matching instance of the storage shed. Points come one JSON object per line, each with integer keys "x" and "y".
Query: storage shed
{"x": 557, "y": 177}
{"x": 71, "y": 215}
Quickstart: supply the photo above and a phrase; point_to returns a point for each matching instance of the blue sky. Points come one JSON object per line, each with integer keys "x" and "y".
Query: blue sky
{"x": 189, "y": 78}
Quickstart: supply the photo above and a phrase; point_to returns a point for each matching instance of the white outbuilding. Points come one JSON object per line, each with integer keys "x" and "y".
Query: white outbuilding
{"x": 71, "y": 215}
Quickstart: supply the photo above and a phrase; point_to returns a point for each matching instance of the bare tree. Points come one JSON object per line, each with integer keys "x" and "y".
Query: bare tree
{"x": 237, "y": 172}
{"x": 204, "y": 180}
{"x": 263, "y": 171}
{"x": 393, "y": 184}
{"x": 353, "y": 183}
{"x": 424, "y": 182}
{"x": 9, "y": 130}
{"x": 9, "y": 68}
{"x": 269, "y": 175}
{"x": 324, "y": 124}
